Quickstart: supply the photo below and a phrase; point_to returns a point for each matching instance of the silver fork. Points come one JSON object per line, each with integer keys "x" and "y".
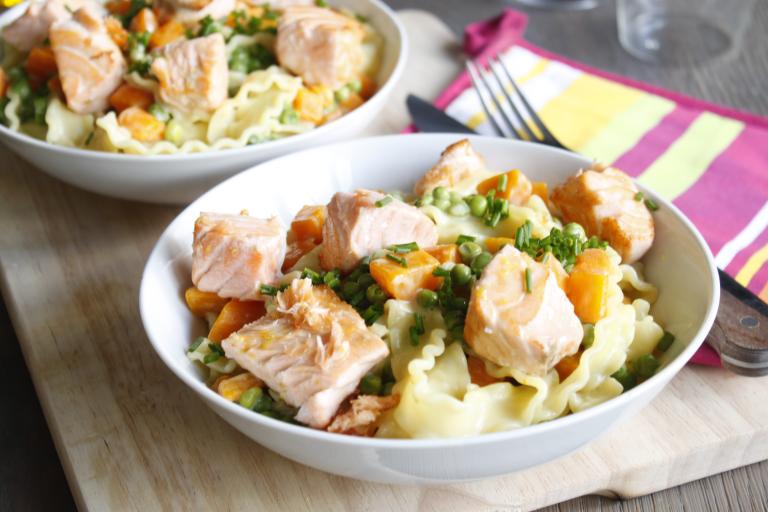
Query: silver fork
{"x": 528, "y": 125}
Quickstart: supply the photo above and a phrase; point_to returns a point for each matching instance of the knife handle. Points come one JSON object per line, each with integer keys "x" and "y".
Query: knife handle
{"x": 740, "y": 332}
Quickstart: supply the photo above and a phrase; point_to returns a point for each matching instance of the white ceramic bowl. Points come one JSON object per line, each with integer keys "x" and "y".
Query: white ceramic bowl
{"x": 679, "y": 263}
{"x": 181, "y": 178}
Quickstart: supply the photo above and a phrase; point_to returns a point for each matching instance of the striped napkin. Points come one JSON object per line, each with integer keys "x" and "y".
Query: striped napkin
{"x": 711, "y": 161}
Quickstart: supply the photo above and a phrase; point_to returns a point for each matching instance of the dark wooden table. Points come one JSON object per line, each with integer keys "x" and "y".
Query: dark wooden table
{"x": 31, "y": 477}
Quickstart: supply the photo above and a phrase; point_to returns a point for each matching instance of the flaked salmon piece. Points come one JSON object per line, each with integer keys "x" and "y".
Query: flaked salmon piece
{"x": 91, "y": 65}
{"x": 189, "y": 11}
{"x": 604, "y": 201}
{"x": 193, "y": 73}
{"x": 510, "y": 326}
{"x": 459, "y": 163}
{"x": 233, "y": 255}
{"x": 363, "y": 414}
{"x": 31, "y": 29}
{"x": 355, "y": 227}
{"x": 320, "y": 45}
{"x": 312, "y": 348}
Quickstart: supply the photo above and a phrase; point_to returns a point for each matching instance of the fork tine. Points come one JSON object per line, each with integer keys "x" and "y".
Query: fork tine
{"x": 492, "y": 66}
{"x": 473, "y": 75}
{"x": 531, "y": 112}
{"x": 499, "y": 107}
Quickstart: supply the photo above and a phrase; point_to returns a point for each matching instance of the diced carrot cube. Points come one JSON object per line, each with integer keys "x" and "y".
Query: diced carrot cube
{"x": 404, "y": 282}
{"x": 517, "y": 191}
{"x": 4, "y": 82}
{"x": 587, "y": 285}
{"x": 41, "y": 64}
{"x": 119, "y": 6}
{"x": 127, "y": 96}
{"x": 144, "y": 21}
{"x": 539, "y": 188}
{"x": 567, "y": 366}
{"x": 142, "y": 125}
{"x": 232, "y": 388}
{"x": 477, "y": 373}
{"x": 202, "y": 303}
{"x": 168, "y": 32}
{"x": 295, "y": 250}
{"x": 116, "y": 32}
{"x": 54, "y": 85}
{"x": 234, "y": 316}
{"x": 310, "y": 104}
{"x": 495, "y": 243}
{"x": 445, "y": 253}
{"x": 368, "y": 86}
{"x": 308, "y": 223}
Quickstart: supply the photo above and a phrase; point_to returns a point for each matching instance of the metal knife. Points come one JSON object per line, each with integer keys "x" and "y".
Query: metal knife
{"x": 740, "y": 332}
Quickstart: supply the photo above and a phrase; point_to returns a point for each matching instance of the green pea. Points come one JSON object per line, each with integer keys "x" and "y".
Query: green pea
{"x": 387, "y": 389}
{"x": 249, "y": 398}
{"x": 461, "y": 274}
{"x": 160, "y": 112}
{"x": 646, "y": 366}
{"x": 16, "y": 74}
{"x": 468, "y": 251}
{"x": 174, "y": 133}
{"x": 477, "y": 205}
{"x": 459, "y": 209}
{"x": 455, "y": 197}
{"x": 442, "y": 204}
{"x": 342, "y": 94}
{"x": 625, "y": 378}
{"x": 480, "y": 261}
{"x": 574, "y": 229}
{"x": 289, "y": 116}
{"x": 350, "y": 288}
{"x": 355, "y": 86}
{"x": 370, "y": 384}
{"x": 441, "y": 193}
{"x": 365, "y": 280}
{"x": 375, "y": 294}
{"x": 426, "y": 199}
{"x": 426, "y": 298}
{"x": 589, "y": 335}
{"x": 238, "y": 61}
{"x": 263, "y": 403}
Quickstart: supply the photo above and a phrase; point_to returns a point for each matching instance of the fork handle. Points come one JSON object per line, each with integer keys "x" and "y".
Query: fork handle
{"x": 740, "y": 332}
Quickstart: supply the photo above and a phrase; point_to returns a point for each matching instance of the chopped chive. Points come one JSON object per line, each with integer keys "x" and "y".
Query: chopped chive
{"x": 501, "y": 185}
{"x": 464, "y": 238}
{"x": 528, "y": 280}
{"x": 651, "y": 204}
{"x": 494, "y": 220}
{"x": 404, "y": 248}
{"x": 419, "y": 322}
{"x": 639, "y": 196}
{"x": 666, "y": 341}
{"x": 397, "y": 259}
{"x": 441, "y": 272}
{"x": 89, "y": 138}
{"x": 384, "y": 201}
{"x": 646, "y": 365}
{"x": 211, "y": 358}
{"x": 195, "y": 344}
{"x": 414, "y": 335}
{"x": 215, "y": 347}
{"x": 314, "y": 276}
{"x": 268, "y": 290}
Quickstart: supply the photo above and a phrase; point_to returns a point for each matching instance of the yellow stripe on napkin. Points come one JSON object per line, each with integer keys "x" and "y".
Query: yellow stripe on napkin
{"x": 687, "y": 158}
{"x": 754, "y": 263}
{"x": 586, "y": 108}
{"x": 627, "y": 128}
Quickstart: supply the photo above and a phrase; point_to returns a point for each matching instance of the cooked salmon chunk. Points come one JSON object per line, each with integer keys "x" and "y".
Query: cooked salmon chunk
{"x": 31, "y": 29}
{"x": 312, "y": 348}
{"x": 193, "y": 73}
{"x": 605, "y": 201}
{"x": 529, "y": 329}
{"x": 320, "y": 45}
{"x": 361, "y": 223}
{"x": 363, "y": 414}
{"x": 188, "y": 11}
{"x": 458, "y": 163}
{"x": 233, "y": 255}
{"x": 91, "y": 65}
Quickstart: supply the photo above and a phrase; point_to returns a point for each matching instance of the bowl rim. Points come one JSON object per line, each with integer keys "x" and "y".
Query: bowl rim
{"x": 659, "y": 378}
{"x": 276, "y": 145}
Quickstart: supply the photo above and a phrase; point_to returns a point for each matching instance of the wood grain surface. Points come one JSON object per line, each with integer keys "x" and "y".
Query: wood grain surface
{"x": 131, "y": 437}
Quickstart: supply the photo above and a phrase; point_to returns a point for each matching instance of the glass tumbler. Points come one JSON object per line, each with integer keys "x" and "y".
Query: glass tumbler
{"x": 681, "y": 31}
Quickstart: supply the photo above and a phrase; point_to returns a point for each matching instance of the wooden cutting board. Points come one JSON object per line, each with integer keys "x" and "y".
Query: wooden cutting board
{"x": 131, "y": 437}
